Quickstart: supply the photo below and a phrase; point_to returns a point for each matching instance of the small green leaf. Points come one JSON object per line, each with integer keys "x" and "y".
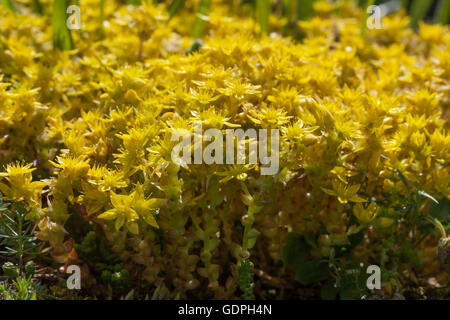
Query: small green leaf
{"x": 329, "y": 291}
{"x": 312, "y": 271}
{"x": 295, "y": 250}
{"x": 403, "y": 178}
{"x": 350, "y": 294}
{"x": 252, "y": 236}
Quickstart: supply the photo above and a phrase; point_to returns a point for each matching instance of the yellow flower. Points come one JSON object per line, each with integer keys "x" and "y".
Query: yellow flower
{"x": 203, "y": 96}
{"x": 344, "y": 192}
{"x": 365, "y": 215}
{"x": 128, "y": 209}
{"x": 72, "y": 167}
{"x": 20, "y": 186}
{"x": 342, "y": 174}
{"x": 239, "y": 89}
{"x": 122, "y": 213}
{"x": 144, "y": 207}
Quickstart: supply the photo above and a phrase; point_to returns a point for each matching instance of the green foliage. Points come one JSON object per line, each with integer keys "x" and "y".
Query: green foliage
{"x": 11, "y": 270}
{"x": 23, "y": 288}
{"x": 94, "y": 249}
{"x": 117, "y": 278}
{"x": 246, "y": 279}
{"x": 294, "y": 254}
{"x": 30, "y": 268}
{"x": 16, "y": 235}
{"x": 295, "y": 250}
{"x": 340, "y": 275}
{"x": 309, "y": 272}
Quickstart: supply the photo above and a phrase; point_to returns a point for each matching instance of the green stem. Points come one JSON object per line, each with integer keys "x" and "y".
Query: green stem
{"x": 174, "y": 7}
{"x": 38, "y": 7}
{"x": 102, "y": 18}
{"x": 62, "y": 38}
{"x": 366, "y": 15}
{"x": 419, "y": 9}
{"x": 405, "y": 4}
{"x": 442, "y": 14}
{"x": 20, "y": 240}
{"x": 263, "y": 14}
{"x": 438, "y": 225}
{"x": 199, "y": 24}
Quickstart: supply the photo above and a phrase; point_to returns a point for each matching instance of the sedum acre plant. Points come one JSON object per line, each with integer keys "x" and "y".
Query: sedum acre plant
{"x": 85, "y": 144}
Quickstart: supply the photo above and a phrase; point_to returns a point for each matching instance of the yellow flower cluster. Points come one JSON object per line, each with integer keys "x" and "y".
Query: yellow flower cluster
{"x": 96, "y": 122}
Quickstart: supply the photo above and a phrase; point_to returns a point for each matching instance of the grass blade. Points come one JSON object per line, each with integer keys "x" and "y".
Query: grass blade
{"x": 424, "y": 194}
{"x": 62, "y": 38}
{"x": 174, "y": 7}
{"x": 442, "y": 13}
{"x": 38, "y": 7}
{"x": 405, "y": 4}
{"x": 288, "y": 12}
{"x": 9, "y": 5}
{"x": 419, "y": 9}
{"x": 263, "y": 14}
{"x": 200, "y": 19}
{"x": 365, "y": 16}
{"x": 304, "y": 9}
{"x": 101, "y": 31}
